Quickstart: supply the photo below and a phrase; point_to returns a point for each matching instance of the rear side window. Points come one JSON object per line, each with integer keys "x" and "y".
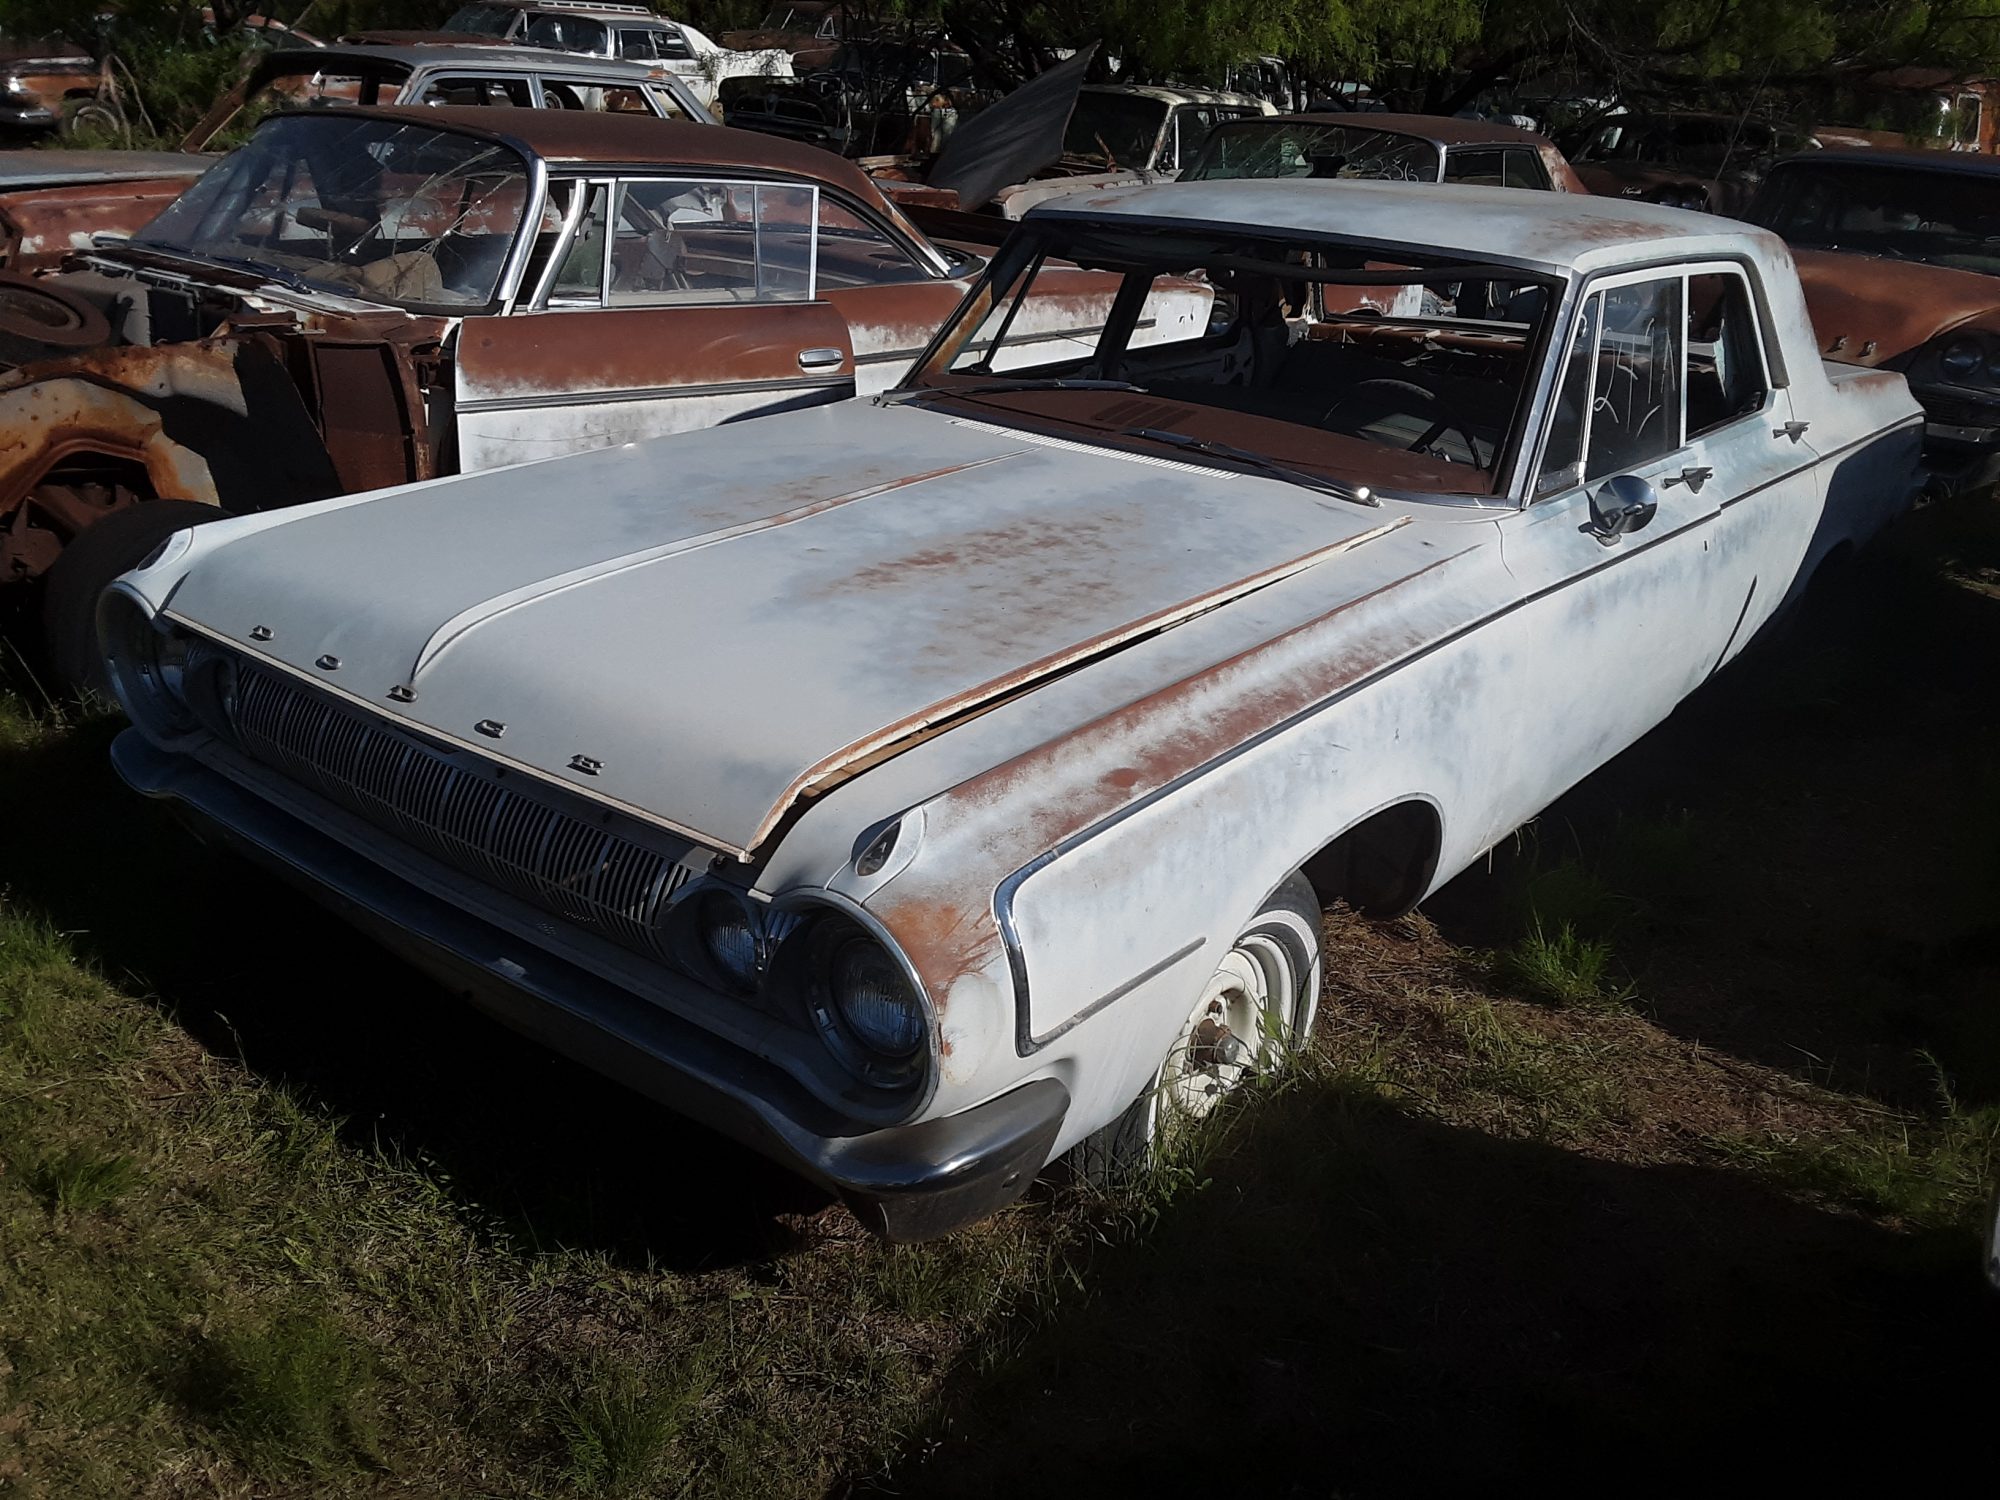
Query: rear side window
{"x": 637, "y": 43}
{"x": 1478, "y": 165}
{"x": 1525, "y": 169}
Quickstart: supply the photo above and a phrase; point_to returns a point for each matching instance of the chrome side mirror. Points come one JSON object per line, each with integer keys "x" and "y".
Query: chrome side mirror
{"x": 1622, "y": 503}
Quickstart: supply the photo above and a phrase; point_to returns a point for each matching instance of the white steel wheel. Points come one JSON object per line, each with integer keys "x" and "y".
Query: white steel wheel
{"x": 1254, "y": 1010}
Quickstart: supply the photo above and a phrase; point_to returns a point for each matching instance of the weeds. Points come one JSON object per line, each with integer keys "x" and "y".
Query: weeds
{"x": 1563, "y": 968}
{"x": 79, "y": 1180}
{"x": 616, "y": 1426}
{"x": 294, "y": 1391}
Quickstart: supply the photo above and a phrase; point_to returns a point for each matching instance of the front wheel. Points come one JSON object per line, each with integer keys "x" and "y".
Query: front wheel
{"x": 96, "y": 556}
{"x": 1255, "y": 1010}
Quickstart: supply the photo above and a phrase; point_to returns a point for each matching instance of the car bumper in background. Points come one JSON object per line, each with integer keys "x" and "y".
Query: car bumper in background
{"x": 905, "y": 1182}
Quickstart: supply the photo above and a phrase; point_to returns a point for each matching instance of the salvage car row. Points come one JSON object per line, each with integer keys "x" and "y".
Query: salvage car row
{"x": 904, "y": 702}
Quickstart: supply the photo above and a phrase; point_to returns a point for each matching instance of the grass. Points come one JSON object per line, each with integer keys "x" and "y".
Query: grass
{"x": 276, "y": 1218}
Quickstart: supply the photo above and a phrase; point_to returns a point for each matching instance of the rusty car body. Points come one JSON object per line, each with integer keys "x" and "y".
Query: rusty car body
{"x": 359, "y": 298}
{"x": 60, "y": 201}
{"x": 923, "y": 788}
{"x": 41, "y": 80}
{"x": 1896, "y": 252}
{"x": 1388, "y": 147}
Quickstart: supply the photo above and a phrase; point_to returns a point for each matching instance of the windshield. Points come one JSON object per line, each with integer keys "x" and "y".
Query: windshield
{"x": 1944, "y": 218}
{"x": 378, "y": 209}
{"x": 482, "y": 20}
{"x": 1297, "y": 148}
{"x": 1117, "y": 129}
{"x": 1297, "y": 351}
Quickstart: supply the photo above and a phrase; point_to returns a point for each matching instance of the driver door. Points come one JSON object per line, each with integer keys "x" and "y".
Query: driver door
{"x": 666, "y": 305}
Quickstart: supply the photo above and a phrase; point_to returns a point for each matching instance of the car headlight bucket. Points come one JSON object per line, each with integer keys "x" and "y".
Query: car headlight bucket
{"x": 865, "y": 1005}
{"x": 729, "y": 939}
{"x": 1962, "y": 358}
{"x": 149, "y": 665}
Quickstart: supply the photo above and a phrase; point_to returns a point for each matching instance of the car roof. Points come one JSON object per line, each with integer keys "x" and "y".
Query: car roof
{"x": 575, "y": 136}
{"x": 1960, "y": 163}
{"x": 497, "y": 57}
{"x": 1548, "y": 232}
{"x": 1445, "y": 130}
{"x": 1170, "y": 93}
{"x": 631, "y": 14}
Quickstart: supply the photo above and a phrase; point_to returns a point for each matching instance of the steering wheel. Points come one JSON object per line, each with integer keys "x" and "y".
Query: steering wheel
{"x": 1430, "y": 434}
{"x": 336, "y": 222}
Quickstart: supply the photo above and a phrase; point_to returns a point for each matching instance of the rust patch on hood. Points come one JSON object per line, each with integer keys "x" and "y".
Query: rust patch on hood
{"x": 1869, "y": 311}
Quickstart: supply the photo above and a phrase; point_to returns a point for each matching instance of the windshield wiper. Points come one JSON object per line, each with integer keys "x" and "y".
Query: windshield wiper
{"x": 231, "y": 263}
{"x": 1000, "y": 387}
{"x": 1360, "y": 494}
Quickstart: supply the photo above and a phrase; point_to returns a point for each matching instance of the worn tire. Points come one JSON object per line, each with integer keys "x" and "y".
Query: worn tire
{"x": 39, "y": 319}
{"x": 114, "y": 545}
{"x": 1293, "y": 917}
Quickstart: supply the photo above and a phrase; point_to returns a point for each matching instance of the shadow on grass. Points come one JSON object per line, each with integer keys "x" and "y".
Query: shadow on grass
{"x": 1802, "y": 865}
{"x": 537, "y": 1147}
{"x": 1366, "y": 1302}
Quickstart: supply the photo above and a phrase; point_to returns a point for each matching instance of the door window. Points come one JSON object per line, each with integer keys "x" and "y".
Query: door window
{"x": 1477, "y": 165}
{"x": 514, "y": 92}
{"x": 579, "y": 280}
{"x": 1725, "y": 356}
{"x": 672, "y": 46}
{"x": 687, "y": 241}
{"x": 637, "y": 43}
{"x": 854, "y": 252}
{"x": 1635, "y": 403}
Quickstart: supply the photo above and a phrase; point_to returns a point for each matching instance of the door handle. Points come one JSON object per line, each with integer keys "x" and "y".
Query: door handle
{"x": 1792, "y": 430}
{"x": 821, "y": 359}
{"x": 1694, "y": 479}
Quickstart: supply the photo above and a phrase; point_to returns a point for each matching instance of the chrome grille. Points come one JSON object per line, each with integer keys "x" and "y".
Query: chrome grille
{"x": 515, "y": 841}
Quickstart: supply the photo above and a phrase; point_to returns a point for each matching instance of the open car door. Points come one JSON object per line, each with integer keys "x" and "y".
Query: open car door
{"x": 670, "y": 305}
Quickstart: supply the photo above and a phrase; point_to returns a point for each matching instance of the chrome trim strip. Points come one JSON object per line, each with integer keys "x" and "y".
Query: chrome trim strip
{"x": 539, "y": 400}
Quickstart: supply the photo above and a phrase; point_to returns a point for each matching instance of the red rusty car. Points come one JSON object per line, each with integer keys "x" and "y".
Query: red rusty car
{"x": 359, "y": 298}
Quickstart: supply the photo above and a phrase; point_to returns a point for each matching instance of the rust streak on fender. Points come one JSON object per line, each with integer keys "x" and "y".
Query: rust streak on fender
{"x": 943, "y": 942}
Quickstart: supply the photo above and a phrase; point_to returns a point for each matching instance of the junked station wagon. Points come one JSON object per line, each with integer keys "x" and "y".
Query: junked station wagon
{"x": 924, "y": 788}
{"x": 358, "y": 298}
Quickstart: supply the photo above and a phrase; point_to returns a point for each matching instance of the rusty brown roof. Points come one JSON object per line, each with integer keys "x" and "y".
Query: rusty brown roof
{"x": 1447, "y": 130}
{"x": 564, "y": 136}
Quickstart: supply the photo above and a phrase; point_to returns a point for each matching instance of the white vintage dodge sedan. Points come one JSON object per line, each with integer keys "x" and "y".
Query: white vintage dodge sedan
{"x": 921, "y": 788}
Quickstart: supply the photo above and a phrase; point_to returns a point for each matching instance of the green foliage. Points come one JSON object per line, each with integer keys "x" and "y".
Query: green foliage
{"x": 1562, "y": 967}
{"x": 615, "y": 1426}
{"x": 289, "y": 1392}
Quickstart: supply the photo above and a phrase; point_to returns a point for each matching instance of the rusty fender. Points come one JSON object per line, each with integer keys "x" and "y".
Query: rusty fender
{"x": 49, "y": 420}
{"x": 38, "y": 228}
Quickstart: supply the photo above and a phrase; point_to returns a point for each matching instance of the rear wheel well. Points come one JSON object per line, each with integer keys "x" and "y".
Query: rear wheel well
{"x": 1382, "y": 864}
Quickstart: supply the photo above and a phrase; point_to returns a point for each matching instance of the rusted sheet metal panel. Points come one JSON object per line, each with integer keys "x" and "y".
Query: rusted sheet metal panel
{"x": 914, "y": 598}
{"x": 1870, "y": 311}
{"x": 538, "y": 385}
{"x": 46, "y": 224}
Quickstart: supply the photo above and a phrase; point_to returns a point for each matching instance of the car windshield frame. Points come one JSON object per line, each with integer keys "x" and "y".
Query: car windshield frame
{"x": 1268, "y": 138}
{"x": 257, "y": 209}
{"x": 1342, "y": 285}
{"x": 1785, "y": 206}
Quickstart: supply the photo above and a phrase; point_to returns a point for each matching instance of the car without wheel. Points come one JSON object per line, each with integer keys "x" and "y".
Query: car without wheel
{"x": 359, "y": 298}
{"x": 941, "y": 784}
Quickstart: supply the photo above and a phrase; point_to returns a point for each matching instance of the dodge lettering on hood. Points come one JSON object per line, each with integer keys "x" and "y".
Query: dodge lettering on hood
{"x": 925, "y": 787}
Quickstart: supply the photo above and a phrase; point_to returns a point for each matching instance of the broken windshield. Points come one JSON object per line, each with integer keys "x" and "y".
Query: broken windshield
{"x": 1300, "y": 148}
{"x": 392, "y": 212}
{"x": 1252, "y": 349}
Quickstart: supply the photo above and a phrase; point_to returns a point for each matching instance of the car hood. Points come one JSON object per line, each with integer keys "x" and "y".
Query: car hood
{"x": 705, "y": 629}
{"x": 32, "y": 169}
{"x": 1867, "y": 310}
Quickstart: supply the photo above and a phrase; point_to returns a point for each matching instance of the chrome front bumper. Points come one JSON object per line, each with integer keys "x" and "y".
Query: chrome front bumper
{"x": 905, "y": 1182}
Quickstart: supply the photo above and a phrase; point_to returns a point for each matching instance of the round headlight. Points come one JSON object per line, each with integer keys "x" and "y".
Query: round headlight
{"x": 867, "y": 1009}
{"x": 1962, "y": 358}
{"x": 728, "y": 938}
{"x": 875, "y": 999}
